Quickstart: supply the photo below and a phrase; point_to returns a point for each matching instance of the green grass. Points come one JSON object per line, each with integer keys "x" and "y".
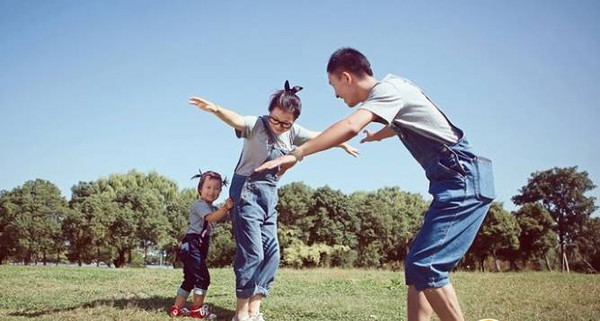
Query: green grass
{"x": 74, "y": 293}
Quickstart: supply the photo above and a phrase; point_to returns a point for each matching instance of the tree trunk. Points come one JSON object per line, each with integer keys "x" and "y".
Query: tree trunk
{"x": 548, "y": 266}
{"x": 97, "y": 256}
{"x": 496, "y": 264}
{"x": 562, "y": 256}
{"x": 44, "y": 258}
{"x": 145, "y": 255}
{"x": 120, "y": 260}
{"x": 565, "y": 263}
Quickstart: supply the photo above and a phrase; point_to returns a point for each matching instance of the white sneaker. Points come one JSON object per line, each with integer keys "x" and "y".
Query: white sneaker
{"x": 258, "y": 317}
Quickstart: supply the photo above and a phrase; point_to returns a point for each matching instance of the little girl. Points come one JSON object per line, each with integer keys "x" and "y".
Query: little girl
{"x": 194, "y": 248}
{"x": 254, "y": 215}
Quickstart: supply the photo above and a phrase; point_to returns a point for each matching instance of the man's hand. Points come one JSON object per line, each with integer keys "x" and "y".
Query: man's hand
{"x": 284, "y": 163}
{"x": 369, "y": 136}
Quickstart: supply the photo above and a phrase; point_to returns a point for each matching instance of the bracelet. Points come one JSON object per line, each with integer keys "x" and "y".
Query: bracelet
{"x": 296, "y": 153}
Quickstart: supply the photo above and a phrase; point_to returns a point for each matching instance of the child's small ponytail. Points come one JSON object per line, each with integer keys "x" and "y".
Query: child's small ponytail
{"x": 209, "y": 174}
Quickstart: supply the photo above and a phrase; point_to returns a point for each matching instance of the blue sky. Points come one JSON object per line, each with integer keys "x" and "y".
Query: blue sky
{"x": 91, "y": 88}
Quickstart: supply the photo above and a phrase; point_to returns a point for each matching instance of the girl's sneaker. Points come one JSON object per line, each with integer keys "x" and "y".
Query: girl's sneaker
{"x": 178, "y": 312}
{"x": 202, "y": 313}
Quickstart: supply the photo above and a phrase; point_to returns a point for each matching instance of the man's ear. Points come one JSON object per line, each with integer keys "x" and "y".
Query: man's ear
{"x": 346, "y": 77}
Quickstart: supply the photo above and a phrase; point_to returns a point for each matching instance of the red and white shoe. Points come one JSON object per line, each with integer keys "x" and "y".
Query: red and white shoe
{"x": 176, "y": 311}
{"x": 202, "y": 313}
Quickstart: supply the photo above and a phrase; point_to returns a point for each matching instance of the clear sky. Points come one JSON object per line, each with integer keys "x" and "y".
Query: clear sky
{"x": 91, "y": 88}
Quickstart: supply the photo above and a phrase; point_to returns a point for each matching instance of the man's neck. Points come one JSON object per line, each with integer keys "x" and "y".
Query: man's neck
{"x": 365, "y": 86}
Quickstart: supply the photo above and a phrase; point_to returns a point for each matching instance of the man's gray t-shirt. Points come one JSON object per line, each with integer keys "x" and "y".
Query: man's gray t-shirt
{"x": 198, "y": 211}
{"x": 256, "y": 139}
{"x": 398, "y": 101}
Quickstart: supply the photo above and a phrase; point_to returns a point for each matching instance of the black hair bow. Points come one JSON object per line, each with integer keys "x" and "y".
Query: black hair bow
{"x": 293, "y": 90}
{"x": 197, "y": 175}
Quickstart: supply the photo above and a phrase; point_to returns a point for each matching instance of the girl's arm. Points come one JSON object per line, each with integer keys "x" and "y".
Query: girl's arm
{"x": 231, "y": 118}
{"x": 221, "y": 212}
{"x": 385, "y": 132}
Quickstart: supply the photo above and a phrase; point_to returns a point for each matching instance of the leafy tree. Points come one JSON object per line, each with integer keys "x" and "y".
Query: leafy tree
{"x": 588, "y": 244}
{"x": 295, "y": 203}
{"x": 335, "y": 221}
{"x": 561, "y": 191}
{"x": 76, "y": 230}
{"x": 499, "y": 236}
{"x": 389, "y": 219}
{"x": 35, "y": 211}
{"x": 134, "y": 210}
{"x": 537, "y": 236}
{"x": 7, "y": 215}
{"x": 222, "y": 246}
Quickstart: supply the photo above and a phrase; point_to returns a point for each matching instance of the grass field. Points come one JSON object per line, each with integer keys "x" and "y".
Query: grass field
{"x": 86, "y": 293}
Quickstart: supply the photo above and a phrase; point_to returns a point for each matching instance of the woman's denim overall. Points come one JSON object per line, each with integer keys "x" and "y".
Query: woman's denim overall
{"x": 254, "y": 220}
{"x": 462, "y": 186}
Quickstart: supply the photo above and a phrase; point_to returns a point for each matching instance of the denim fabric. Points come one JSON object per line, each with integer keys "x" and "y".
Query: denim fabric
{"x": 192, "y": 253}
{"x": 254, "y": 220}
{"x": 461, "y": 184}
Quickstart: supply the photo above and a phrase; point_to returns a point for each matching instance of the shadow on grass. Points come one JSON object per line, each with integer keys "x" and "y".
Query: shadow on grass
{"x": 151, "y": 304}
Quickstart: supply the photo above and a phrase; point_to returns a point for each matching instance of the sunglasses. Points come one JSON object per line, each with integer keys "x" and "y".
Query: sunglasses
{"x": 283, "y": 124}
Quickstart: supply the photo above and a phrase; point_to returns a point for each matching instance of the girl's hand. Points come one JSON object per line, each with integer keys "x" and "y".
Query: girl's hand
{"x": 229, "y": 204}
{"x": 350, "y": 150}
{"x": 370, "y": 136}
{"x": 203, "y": 104}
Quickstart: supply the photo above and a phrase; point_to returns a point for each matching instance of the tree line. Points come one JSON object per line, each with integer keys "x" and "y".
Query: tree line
{"x": 139, "y": 219}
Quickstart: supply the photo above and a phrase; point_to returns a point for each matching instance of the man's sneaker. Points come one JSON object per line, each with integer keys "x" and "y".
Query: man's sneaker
{"x": 202, "y": 313}
{"x": 258, "y": 317}
{"x": 178, "y": 312}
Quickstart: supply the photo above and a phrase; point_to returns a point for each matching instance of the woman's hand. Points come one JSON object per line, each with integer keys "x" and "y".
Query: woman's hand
{"x": 203, "y": 104}
{"x": 350, "y": 150}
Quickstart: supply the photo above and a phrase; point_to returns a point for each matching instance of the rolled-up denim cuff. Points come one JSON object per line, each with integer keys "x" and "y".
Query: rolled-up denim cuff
{"x": 183, "y": 293}
{"x": 200, "y": 292}
{"x": 248, "y": 293}
{"x": 261, "y": 290}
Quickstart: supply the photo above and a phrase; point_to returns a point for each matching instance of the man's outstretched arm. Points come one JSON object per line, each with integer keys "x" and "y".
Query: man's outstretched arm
{"x": 333, "y": 136}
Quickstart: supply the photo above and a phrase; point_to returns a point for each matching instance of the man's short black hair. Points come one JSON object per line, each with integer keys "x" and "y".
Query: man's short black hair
{"x": 350, "y": 60}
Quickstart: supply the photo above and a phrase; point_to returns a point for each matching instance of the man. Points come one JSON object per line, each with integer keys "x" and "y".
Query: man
{"x": 461, "y": 182}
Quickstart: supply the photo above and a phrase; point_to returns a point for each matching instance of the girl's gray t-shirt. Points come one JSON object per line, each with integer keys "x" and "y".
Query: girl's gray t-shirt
{"x": 256, "y": 140}
{"x": 398, "y": 101}
{"x": 198, "y": 211}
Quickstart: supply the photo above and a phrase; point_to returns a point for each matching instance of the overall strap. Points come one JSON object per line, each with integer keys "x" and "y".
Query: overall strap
{"x": 204, "y": 229}
{"x": 272, "y": 139}
{"x": 454, "y": 127}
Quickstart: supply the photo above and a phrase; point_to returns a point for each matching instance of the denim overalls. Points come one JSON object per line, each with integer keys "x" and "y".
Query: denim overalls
{"x": 254, "y": 220}
{"x": 462, "y": 186}
{"x": 193, "y": 253}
